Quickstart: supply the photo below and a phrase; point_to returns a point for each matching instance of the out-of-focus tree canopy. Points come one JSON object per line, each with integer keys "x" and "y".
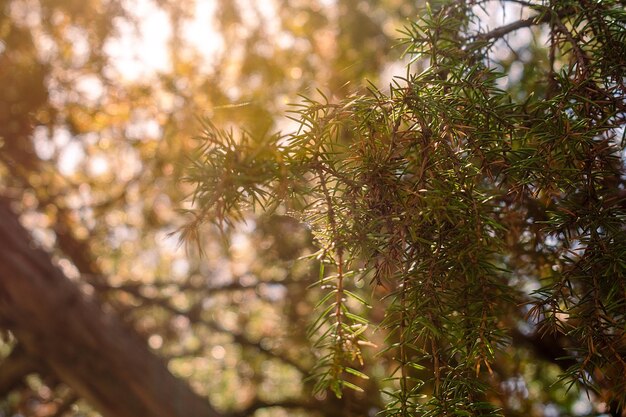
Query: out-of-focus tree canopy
{"x": 105, "y": 108}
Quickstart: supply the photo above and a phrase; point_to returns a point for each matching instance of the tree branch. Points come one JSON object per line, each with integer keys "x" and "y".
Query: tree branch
{"x": 90, "y": 350}
{"x": 523, "y": 23}
{"x": 193, "y": 314}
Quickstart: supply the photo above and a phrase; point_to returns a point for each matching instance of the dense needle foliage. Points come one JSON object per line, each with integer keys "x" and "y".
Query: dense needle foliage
{"x": 481, "y": 215}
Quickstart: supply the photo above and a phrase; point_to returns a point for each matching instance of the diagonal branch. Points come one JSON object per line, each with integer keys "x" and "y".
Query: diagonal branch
{"x": 545, "y": 17}
{"x": 194, "y": 317}
{"x": 90, "y": 350}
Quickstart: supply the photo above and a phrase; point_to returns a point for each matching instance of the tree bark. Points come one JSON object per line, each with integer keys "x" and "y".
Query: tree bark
{"x": 89, "y": 349}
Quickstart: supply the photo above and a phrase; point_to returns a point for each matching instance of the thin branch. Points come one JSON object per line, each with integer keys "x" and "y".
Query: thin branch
{"x": 512, "y": 27}
{"x": 236, "y": 285}
{"x": 239, "y": 338}
{"x": 521, "y": 24}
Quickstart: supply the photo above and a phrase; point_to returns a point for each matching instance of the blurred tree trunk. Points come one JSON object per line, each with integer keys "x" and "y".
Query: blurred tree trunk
{"x": 87, "y": 348}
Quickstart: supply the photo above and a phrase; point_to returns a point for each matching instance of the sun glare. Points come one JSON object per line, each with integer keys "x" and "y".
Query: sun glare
{"x": 140, "y": 51}
{"x": 144, "y": 49}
